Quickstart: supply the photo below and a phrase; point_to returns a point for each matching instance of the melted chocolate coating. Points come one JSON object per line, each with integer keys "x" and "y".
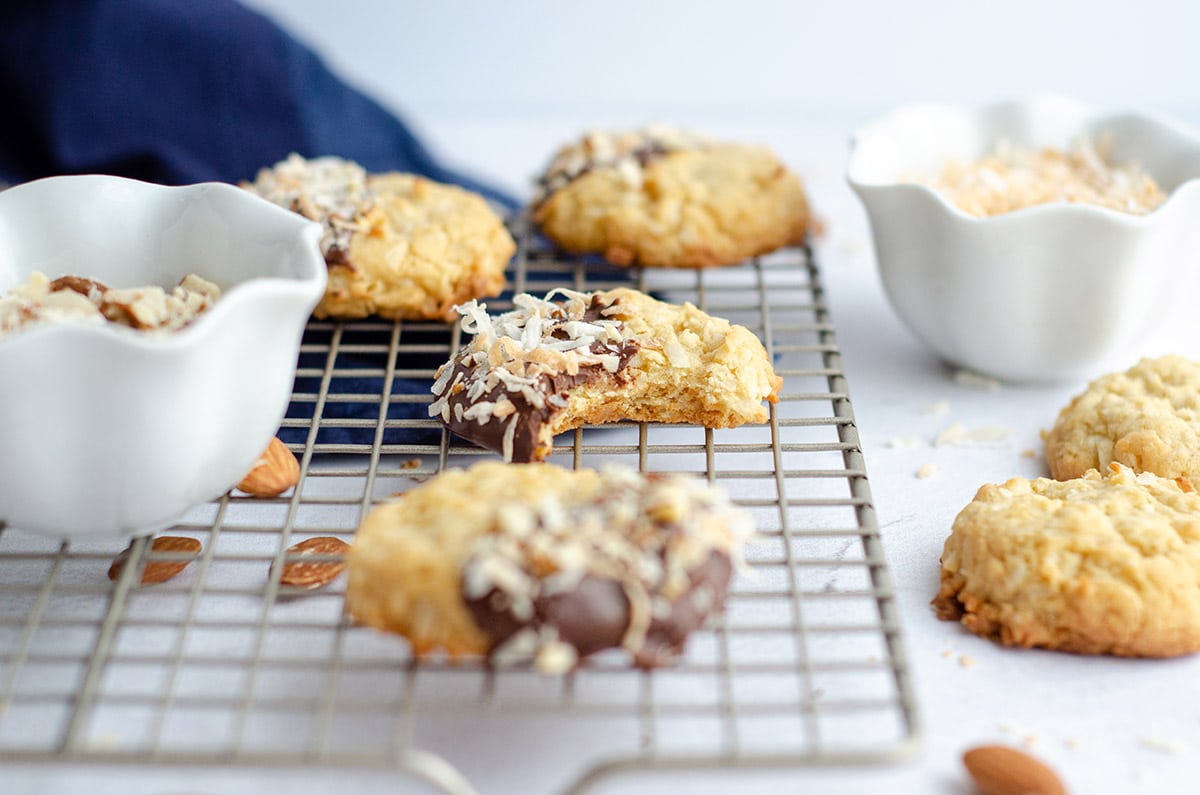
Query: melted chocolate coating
{"x": 335, "y": 256}
{"x": 595, "y": 615}
{"x": 530, "y": 418}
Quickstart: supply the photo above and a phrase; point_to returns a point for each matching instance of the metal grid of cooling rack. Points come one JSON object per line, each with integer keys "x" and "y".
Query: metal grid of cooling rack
{"x": 224, "y": 664}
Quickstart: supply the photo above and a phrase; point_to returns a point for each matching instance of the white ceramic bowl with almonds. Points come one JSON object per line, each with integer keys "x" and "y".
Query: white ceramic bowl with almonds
{"x": 1046, "y": 292}
{"x": 108, "y": 431}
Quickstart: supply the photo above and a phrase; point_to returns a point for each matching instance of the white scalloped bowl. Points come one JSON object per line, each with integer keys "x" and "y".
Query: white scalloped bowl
{"x": 109, "y": 432}
{"x": 1045, "y": 293}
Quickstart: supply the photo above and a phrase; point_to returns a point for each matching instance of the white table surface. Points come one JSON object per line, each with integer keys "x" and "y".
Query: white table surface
{"x": 1107, "y": 725}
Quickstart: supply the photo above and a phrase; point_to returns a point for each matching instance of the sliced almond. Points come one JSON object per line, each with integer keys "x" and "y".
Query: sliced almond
{"x": 1001, "y": 770}
{"x": 301, "y": 572}
{"x": 78, "y": 284}
{"x": 180, "y": 549}
{"x": 275, "y": 471}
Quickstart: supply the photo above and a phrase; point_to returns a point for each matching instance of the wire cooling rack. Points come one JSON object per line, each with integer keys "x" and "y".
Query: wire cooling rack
{"x": 224, "y": 665}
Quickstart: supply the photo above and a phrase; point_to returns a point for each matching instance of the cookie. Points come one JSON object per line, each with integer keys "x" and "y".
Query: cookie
{"x": 1103, "y": 564}
{"x": 572, "y": 359}
{"x": 397, "y": 245}
{"x": 534, "y": 562}
{"x": 660, "y": 196}
{"x": 1147, "y": 418}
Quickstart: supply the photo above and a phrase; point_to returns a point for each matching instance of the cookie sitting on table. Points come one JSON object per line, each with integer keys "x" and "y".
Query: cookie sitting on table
{"x": 1147, "y": 418}
{"x": 1103, "y": 564}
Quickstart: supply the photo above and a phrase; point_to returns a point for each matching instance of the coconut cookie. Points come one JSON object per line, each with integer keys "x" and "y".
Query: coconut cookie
{"x": 660, "y": 196}
{"x": 572, "y": 359}
{"x": 534, "y": 562}
{"x": 1103, "y": 564}
{"x": 1147, "y": 418}
{"x": 397, "y": 245}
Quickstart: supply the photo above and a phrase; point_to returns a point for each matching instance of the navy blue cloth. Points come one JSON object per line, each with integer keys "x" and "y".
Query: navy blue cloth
{"x": 181, "y": 91}
{"x": 184, "y": 91}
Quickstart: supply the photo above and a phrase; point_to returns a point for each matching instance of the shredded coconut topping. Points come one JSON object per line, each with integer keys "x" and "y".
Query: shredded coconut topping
{"x": 624, "y": 152}
{"x": 648, "y": 534}
{"x": 561, "y": 333}
{"x": 78, "y": 300}
{"x": 330, "y": 190}
{"x": 1013, "y": 178}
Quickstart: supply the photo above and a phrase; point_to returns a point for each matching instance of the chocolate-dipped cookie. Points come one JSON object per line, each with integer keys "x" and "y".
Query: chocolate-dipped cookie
{"x": 572, "y": 359}
{"x": 537, "y": 563}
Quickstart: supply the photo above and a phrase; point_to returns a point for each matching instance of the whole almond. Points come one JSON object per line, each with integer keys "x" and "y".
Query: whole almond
{"x": 1001, "y": 770}
{"x": 275, "y": 471}
{"x": 157, "y": 571}
{"x": 302, "y": 573}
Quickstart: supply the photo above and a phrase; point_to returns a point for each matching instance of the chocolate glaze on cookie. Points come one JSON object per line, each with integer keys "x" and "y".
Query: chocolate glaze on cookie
{"x": 537, "y": 564}
{"x": 516, "y": 374}
{"x": 629, "y": 569}
{"x": 595, "y": 615}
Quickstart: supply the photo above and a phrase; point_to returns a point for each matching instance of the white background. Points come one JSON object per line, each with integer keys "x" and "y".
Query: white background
{"x": 744, "y": 61}
{"x": 494, "y": 87}
{"x": 749, "y": 55}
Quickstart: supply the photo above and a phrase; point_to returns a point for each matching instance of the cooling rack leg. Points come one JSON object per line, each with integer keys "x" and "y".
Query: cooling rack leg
{"x": 436, "y": 771}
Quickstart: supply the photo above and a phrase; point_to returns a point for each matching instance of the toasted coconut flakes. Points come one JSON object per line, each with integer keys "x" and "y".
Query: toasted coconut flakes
{"x": 959, "y": 435}
{"x": 506, "y": 443}
{"x": 676, "y": 354}
{"x": 1013, "y": 178}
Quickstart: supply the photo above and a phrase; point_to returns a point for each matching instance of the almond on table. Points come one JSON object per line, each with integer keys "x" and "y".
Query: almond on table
{"x": 156, "y": 571}
{"x": 276, "y": 471}
{"x": 300, "y": 571}
{"x": 1001, "y": 770}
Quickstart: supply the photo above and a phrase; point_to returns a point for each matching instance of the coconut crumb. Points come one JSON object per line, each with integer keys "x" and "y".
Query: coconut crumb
{"x": 974, "y": 380}
{"x": 1165, "y": 744}
{"x": 966, "y": 661}
{"x": 926, "y": 471}
{"x": 939, "y": 409}
{"x": 958, "y": 435}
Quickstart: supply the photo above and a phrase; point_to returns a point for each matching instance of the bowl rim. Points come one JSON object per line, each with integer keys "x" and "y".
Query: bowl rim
{"x": 309, "y": 284}
{"x": 1089, "y": 114}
